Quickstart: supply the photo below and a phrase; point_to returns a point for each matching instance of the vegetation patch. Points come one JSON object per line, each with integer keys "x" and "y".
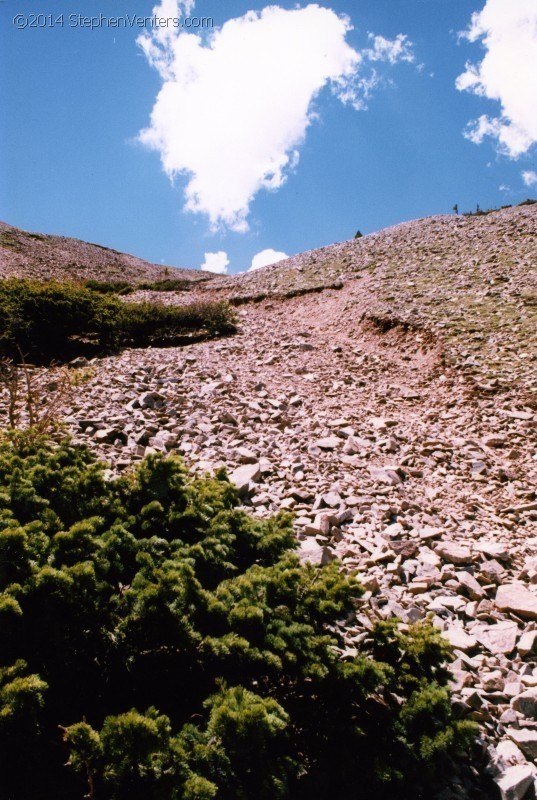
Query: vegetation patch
{"x": 159, "y": 643}
{"x": 124, "y": 287}
{"x": 9, "y": 240}
{"x": 51, "y": 320}
{"x": 110, "y": 287}
{"x": 481, "y": 212}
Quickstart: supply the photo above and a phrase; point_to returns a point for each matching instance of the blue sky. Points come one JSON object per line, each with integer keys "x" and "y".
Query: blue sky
{"x": 283, "y": 131}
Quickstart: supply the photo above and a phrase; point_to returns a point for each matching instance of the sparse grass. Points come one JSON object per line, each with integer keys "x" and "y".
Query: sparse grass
{"x": 32, "y": 409}
{"x": 7, "y": 239}
{"x": 472, "y": 288}
{"x": 529, "y": 298}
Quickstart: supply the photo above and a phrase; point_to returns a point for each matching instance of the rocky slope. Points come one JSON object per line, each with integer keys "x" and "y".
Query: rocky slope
{"x": 395, "y": 416}
{"x": 36, "y": 255}
{"x": 470, "y": 280}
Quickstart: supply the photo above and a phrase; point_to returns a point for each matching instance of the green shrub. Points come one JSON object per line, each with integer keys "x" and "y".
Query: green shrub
{"x": 110, "y": 287}
{"x": 54, "y": 320}
{"x": 149, "y": 323}
{"x": 44, "y": 317}
{"x": 170, "y": 647}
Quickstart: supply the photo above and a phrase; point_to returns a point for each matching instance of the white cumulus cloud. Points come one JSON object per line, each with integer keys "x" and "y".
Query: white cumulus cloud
{"x": 529, "y": 177}
{"x": 391, "y": 50}
{"x": 507, "y": 73}
{"x": 234, "y": 107}
{"x": 216, "y": 262}
{"x": 266, "y": 257}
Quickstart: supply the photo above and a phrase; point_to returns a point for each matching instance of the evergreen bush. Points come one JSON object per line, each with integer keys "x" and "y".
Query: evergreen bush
{"x": 58, "y": 320}
{"x": 160, "y": 644}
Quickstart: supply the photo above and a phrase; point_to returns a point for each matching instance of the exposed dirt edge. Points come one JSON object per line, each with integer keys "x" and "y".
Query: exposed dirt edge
{"x": 239, "y": 300}
{"x": 385, "y": 323}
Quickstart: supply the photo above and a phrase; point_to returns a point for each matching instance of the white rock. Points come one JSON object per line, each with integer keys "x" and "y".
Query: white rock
{"x": 151, "y": 400}
{"x": 459, "y": 639}
{"x": 525, "y": 739}
{"x": 454, "y": 553}
{"x": 492, "y": 571}
{"x": 246, "y": 456}
{"x": 314, "y": 553}
{"x": 495, "y": 441}
{"x": 498, "y": 638}
{"x": 429, "y": 532}
{"x": 526, "y": 703}
{"x": 493, "y": 550}
{"x": 393, "y": 531}
{"x": 492, "y": 681}
{"x": 468, "y": 582}
{"x": 353, "y": 446}
{"x": 331, "y": 499}
{"x": 386, "y": 475}
{"x": 510, "y": 754}
{"x": 320, "y": 526}
{"x": 527, "y": 643}
{"x": 242, "y": 477}
{"x": 328, "y": 443}
{"x": 515, "y": 597}
{"x": 515, "y": 782}
{"x": 513, "y": 687}
{"x": 454, "y": 603}
{"x": 510, "y": 717}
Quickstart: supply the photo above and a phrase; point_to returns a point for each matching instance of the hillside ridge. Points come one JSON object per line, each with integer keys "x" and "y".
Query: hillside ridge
{"x": 25, "y": 254}
{"x": 384, "y": 391}
{"x": 471, "y": 281}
